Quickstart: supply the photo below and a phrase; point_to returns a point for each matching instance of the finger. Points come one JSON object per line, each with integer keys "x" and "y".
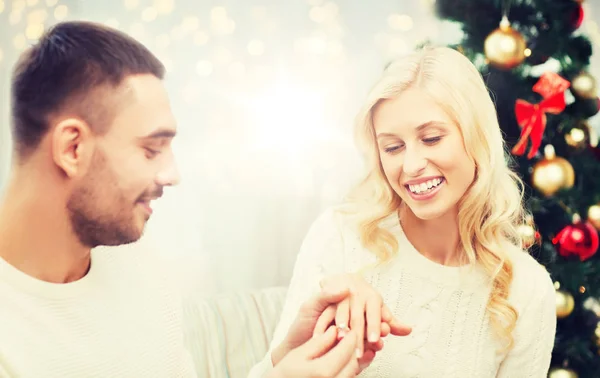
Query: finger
{"x": 334, "y": 361}
{"x": 386, "y": 314}
{"x": 373, "y": 316}
{"x": 342, "y": 317}
{"x": 351, "y": 370}
{"x": 396, "y": 327}
{"x": 319, "y": 345}
{"x": 325, "y": 320}
{"x": 385, "y": 329}
{"x": 399, "y": 329}
{"x": 357, "y": 322}
{"x": 366, "y": 360}
{"x": 376, "y": 346}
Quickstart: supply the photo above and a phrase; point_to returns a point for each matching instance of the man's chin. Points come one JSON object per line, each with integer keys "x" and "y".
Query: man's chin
{"x": 116, "y": 243}
{"x": 129, "y": 236}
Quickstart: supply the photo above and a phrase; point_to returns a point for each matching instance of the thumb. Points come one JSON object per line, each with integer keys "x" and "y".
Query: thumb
{"x": 319, "y": 345}
{"x": 328, "y": 296}
{"x": 340, "y": 357}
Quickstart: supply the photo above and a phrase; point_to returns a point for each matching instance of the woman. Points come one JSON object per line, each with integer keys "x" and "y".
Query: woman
{"x": 432, "y": 229}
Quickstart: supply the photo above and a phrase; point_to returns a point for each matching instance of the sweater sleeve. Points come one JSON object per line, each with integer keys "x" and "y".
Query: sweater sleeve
{"x": 321, "y": 254}
{"x": 3, "y": 371}
{"x": 535, "y": 330}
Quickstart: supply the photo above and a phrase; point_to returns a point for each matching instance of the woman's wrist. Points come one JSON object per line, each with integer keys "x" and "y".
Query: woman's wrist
{"x": 279, "y": 353}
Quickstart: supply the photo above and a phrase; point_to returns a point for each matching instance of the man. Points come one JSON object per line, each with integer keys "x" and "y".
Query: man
{"x": 92, "y": 128}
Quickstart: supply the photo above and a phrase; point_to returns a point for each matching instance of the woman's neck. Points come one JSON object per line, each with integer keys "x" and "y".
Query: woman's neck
{"x": 436, "y": 239}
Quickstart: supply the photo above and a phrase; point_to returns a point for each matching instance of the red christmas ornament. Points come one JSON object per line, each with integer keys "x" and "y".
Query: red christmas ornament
{"x": 596, "y": 151}
{"x": 579, "y": 239}
{"x": 532, "y": 117}
{"x": 576, "y": 18}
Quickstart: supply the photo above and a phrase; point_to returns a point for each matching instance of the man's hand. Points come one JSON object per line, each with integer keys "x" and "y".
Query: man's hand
{"x": 363, "y": 311}
{"x": 320, "y": 357}
{"x": 327, "y": 319}
{"x": 302, "y": 329}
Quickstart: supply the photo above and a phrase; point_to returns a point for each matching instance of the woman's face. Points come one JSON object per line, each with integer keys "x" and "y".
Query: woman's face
{"x": 422, "y": 154}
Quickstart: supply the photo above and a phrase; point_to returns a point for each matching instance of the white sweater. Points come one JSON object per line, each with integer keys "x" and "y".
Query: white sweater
{"x": 445, "y": 305}
{"x": 123, "y": 319}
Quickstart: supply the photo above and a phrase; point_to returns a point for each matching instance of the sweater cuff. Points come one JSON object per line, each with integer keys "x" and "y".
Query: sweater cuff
{"x": 262, "y": 368}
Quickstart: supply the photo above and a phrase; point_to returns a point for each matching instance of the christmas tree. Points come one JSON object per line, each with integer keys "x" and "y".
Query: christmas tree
{"x": 535, "y": 62}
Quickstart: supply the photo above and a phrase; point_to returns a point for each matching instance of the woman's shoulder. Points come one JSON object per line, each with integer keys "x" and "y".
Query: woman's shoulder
{"x": 526, "y": 267}
{"x": 333, "y": 238}
{"x": 531, "y": 279}
{"x": 338, "y": 219}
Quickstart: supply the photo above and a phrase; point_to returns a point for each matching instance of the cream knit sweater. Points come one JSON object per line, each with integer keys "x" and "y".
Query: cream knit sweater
{"x": 451, "y": 335}
{"x": 122, "y": 320}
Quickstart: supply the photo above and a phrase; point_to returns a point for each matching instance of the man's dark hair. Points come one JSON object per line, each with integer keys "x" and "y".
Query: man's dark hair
{"x": 74, "y": 67}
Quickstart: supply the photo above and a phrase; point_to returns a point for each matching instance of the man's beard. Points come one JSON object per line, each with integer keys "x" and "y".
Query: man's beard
{"x": 99, "y": 212}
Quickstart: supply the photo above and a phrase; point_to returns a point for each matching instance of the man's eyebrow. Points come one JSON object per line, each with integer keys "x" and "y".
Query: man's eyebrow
{"x": 161, "y": 133}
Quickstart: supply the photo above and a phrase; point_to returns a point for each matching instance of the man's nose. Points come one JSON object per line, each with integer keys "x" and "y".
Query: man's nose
{"x": 169, "y": 175}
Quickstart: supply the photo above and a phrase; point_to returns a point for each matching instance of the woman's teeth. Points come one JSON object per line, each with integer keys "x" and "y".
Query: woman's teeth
{"x": 425, "y": 187}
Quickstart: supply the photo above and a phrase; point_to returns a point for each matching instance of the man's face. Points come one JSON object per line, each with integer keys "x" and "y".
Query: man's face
{"x": 131, "y": 164}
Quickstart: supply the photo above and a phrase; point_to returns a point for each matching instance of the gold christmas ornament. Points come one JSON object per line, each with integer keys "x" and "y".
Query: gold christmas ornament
{"x": 552, "y": 173}
{"x": 505, "y": 47}
{"x": 584, "y": 85}
{"x": 529, "y": 236}
{"x": 592, "y": 304}
{"x": 565, "y": 304}
{"x": 562, "y": 373}
{"x": 593, "y": 216}
{"x": 581, "y": 136}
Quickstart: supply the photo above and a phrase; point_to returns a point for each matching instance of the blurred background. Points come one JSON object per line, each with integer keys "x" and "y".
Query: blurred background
{"x": 265, "y": 93}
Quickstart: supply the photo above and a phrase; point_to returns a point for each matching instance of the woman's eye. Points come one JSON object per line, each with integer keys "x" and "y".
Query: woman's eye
{"x": 392, "y": 149}
{"x": 432, "y": 140}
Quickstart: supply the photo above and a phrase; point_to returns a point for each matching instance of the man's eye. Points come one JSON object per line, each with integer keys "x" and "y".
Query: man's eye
{"x": 150, "y": 153}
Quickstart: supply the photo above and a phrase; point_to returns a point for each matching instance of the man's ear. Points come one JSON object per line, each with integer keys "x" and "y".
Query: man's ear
{"x": 71, "y": 145}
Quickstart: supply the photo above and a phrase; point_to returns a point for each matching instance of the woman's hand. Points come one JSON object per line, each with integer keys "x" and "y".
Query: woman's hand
{"x": 362, "y": 312}
{"x": 302, "y": 329}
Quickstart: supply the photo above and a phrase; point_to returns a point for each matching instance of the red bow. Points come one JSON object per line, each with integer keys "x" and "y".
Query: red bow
{"x": 532, "y": 117}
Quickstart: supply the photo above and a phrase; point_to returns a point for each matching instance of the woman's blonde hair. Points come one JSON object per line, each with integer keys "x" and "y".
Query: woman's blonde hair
{"x": 490, "y": 210}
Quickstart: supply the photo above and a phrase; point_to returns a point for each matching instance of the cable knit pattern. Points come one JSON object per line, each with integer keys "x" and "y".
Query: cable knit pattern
{"x": 445, "y": 305}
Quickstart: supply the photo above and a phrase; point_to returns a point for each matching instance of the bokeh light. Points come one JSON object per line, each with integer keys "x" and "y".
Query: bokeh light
{"x": 61, "y": 12}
